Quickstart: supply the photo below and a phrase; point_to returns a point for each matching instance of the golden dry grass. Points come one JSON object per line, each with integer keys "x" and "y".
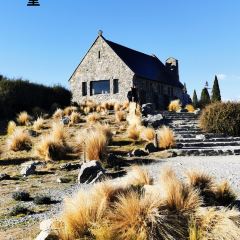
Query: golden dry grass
{"x": 147, "y": 134}
{"x": 58, "y": 131}
{"x": 19, "y": 140}
{"x": 120, "y": 116}
{"x": 86, "y": 110}
{"x": 75, "y": 118}
{"x": 105, "y": 129}
{"x": 11, "y": 127}
{"x": 133, "y": 132}
{"x": 23, "y": 118}
{"x": 190, "y": 108}
{"x": 165, "y": 138}
{"x": 92, "y": 117}
{"x": 133, "y": 119}
{"x": 38, "y": 124}
{"x": 125, "y": 105}
{"x": 50, "y": 148}
{"x": 174, "y": 106}
{"x": 95, "y": 145}
{"x": 58, "y": 114}
{"x": 69, "y": 110}
{"x": 117, "y": 107}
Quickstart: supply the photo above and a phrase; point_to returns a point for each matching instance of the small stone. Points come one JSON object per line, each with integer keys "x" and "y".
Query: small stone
{"x": 70, "y": 166}
{"x": 63, "y": 180}
{"x": 139, "y": 153}
{"x": 4, "y": 176}
{"x": 65, "y": 120}
{"x": 150, "y": 148}
{"x": 32, "y": 133}
{"x": 200, "y": 137}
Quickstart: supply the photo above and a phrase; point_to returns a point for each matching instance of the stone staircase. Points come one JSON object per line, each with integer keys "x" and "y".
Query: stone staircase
{"x": 191, "y": 141}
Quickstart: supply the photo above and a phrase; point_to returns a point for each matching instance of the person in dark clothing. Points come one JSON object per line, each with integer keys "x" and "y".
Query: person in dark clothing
{"x": 133, "y": 95}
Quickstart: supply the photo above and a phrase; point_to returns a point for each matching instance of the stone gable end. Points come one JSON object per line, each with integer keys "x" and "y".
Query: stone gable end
{"x": 108, "y": 67}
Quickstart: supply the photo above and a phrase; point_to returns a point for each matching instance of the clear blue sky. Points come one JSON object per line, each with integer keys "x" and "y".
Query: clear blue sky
{"x": 45, "y": 44}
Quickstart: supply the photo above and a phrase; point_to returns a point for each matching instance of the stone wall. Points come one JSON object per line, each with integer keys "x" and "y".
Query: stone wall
{"x": 108, "y": 67}
{"x": 156, "y": 92}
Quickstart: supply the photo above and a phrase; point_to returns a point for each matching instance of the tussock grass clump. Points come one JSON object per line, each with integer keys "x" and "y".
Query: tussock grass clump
{"x": 105, "y": 129}
{"x": 190, "y": 108}
{"x": 11, "y": 127}
{"x": 147, "y": 134}
{"x": 218, "y": 223}
{"x": 221, "y": 118}
{"x": 120, "y": 211}
{"x": 19, "y": 140}
{"x": 117, "y": 107}
{"x": 165, "y": 138}
{"x": 133, "y": 132}
{"x": 58, "y": 114}
{"x": 92, "y": 117}
{"x": 212, "y": 193}
{"x": 69, "y": 110}
{"x": 38, "y": 124}
{"x": 174, "y": 106}
{"x": 75, "y": 118}
{"x": 95, "y": 145}
{"x": 134, "y": 120}
{"x": 120, "y": 116}
{"x": 23, "y": 118}
{"x": 53, "y": 146}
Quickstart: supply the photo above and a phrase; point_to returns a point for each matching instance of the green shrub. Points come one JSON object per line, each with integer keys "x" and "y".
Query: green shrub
{"x": 221, "y": 118}
{"x": 20, "y": 95}
{"x": 40, "y": 200}
{"x": 21, "y": 196}
{"x": 18, "y": 209}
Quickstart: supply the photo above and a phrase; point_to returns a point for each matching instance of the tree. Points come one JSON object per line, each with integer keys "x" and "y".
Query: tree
{"x": 195, "y": 100}
{"x": 205, "y": 98}
{"x": 216, "y": 95}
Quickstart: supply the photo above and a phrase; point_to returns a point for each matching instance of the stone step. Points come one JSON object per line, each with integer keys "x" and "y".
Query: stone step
{"x": 206, "y": 144}
{"x": 191, "y": 140}
{"x": 184, "y": 131}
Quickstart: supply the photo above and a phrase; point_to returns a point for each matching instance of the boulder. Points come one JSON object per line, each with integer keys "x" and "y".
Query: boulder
{"x": 150, "y": 148}
{"x": 154, "y": 120}
{"x": 28, "y": 168}
{"x": 65, "y": 120}
{"x": 139, "y": 153}
{"x": 148, "y": 108}
{"x": 197, "y": 111}
{"x": 4, "y": 176}
{"x": 46, "y": 227}
{"x": 200, "y": 137}
{"x": 91, "y": 172}
{"x": 63, "y": 180}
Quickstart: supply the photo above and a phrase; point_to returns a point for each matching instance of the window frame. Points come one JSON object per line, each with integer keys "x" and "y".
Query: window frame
{"x": 115, "y": 85}
{"x": 98, "y": 81}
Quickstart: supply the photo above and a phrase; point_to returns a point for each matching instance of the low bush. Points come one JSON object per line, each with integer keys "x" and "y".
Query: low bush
{"x": 40, "y": 200}
{"x": 221, "y": 118}
{"x": 147, "y": 134}
{"x": 20, "y": 210}
{"x": 21, "y": 196}
{"x": 174, "y": 106}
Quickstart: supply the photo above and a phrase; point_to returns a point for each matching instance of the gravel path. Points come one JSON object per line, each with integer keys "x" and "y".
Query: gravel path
{"x": 221, "y": 167}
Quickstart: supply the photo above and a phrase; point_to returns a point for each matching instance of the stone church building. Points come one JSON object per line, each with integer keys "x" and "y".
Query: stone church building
{"x": 109, "y": 70}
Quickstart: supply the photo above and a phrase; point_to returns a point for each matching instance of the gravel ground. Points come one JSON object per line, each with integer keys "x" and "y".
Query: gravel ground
{"x": 220, "y": 167}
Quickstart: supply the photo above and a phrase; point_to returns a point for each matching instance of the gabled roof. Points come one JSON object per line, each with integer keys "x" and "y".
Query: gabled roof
{"x": 143, "y": 65}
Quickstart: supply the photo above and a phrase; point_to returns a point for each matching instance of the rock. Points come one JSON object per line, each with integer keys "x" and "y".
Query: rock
{"x": 70, "y": 166}
{"x": 28, "y": 168}
{"x": 4, "y": 176}
{"x": 154, "y": 120}
{"x": 139, "y": 153}
{"x": 148, "y": 108}
{"x": 200, "y": 137}
{"x": 91, "y": 172}
{"x": 65, "y": 120}
{"x": 150, "y": 148}
{"x": 32, "y": 133}
{"x": 46, "y": 231}
{"x": 63, "y": 180}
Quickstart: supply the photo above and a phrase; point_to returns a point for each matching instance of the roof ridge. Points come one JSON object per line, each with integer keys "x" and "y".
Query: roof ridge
{"x": 149, "y": 55}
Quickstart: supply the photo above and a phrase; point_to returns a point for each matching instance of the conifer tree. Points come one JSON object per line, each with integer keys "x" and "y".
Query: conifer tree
{"x": 216, "y": 95}
{"x": 205, "y": 98}
{"x": 195, "y": 99}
